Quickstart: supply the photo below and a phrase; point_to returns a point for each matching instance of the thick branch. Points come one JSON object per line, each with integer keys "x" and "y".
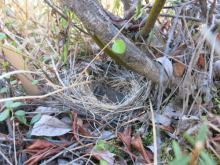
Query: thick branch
{"x": 103, "y": 30}
{"x": 154, "y": 13}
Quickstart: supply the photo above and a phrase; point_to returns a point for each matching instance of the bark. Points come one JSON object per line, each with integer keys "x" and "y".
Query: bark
{"x": 102, "y": 30}
{"x": 152, "y": 18}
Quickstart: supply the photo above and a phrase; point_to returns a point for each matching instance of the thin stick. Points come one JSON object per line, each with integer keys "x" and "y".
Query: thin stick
{"x": 154, "y": 133}
{"x": 15, "y": 152}
{"x": 46, "y": 95}
{"x": 5, "y": 158}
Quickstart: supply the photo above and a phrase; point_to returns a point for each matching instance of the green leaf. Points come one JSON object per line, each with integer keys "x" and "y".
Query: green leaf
{"x": 20, "y": 113}
{"x": 138, "y": 11}
{"x": 4, "y": 115}
{"x": 13, "y": 43}
{"x": 100, "y": 145}
{"x": 190, "y": 139}
{"x": 4, "y": 90}
{"x": 8, "y": 103}
{"x": 19, "y": 48}
{"x": 15, "y": 105}
{"x": 22, "y": 119}
{"x": 202, "y": 132}
{"x": 13, "y": 82}
{"x": 36, "y": 118}
{"x": 217, "y": 100}
{"x": 177, "y": 149}
{"x": 41, "y": 58}
{"x": 119, "y": 47}
{"x": 218, "y": 105}
{"x": 214, "y": 89}
{"x": 12, "y": 118}
{"x": 102, "y": 162}
{"x": 21, "y": 116}
{"x": 20, "y": 88}
{"x": 2, "y": 36}
{"x": 101, "y": 142}
{"x": 207, "y": 158}
{"x": 183, "y": 160}
{"x": 7, "y": 77}
{"x": 35, "y": 82}
{"x": 28, "y": 134}
{"x": 5, "y": 64}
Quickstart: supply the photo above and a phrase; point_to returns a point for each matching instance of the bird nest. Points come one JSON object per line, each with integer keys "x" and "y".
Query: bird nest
{"x": 110, "y": 89}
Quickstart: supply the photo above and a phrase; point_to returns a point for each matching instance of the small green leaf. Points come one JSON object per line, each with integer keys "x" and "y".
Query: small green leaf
{"x": 183, "y": 160}
{"x": 202, "y": 132}
{"x": 5, "y": 64}
{"x": 218, "y": 105}
{"x": 21, "y": 116}
{"x": 177, "y": 149}
{"x": 8, "y": 103}
{"x": 22, "y": 119}
{"x": 100, "y": 145}
{"x": 83, "y": 52}
{"x": 12, "y": 118}
{"x": 119, "y": 47}
{"x": 102, "y": 162}
{"x": 36, "y": 118}
{"x": 138, "y": 11}
{"x": 207, "y": 158}
{"x": 217, "y": 100}
{"x": 15, "y": 105}
{"x": 19, "y": 48}
{"x": 13, "y": 43}
{"x": 2, "y": 36}
{"x": 214, "y": 89}
{"x": 190, "y": 139}
{"x": 35, "y": 82}
{"x": 28, "y": 134}
{"x": 41, "y": 58}
{"x": 20, "y": 88}
{"x": 20, "y": 113}
{"x": 4, "y": 115}
{"x": 101, "y": 142}
{"x": 4, "y": 90}
{"x": 13, "y": 82}
{"x": 7, "y": 77}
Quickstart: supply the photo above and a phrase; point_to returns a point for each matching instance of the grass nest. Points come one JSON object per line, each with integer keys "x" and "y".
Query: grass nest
{"x": 111, "y": 89}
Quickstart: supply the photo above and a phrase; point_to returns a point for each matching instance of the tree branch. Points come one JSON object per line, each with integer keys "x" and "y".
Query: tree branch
{"x": 154, "y": 13}
{"x": 103, "y": 31}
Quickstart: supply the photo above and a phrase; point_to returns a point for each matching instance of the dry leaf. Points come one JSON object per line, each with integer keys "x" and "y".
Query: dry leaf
{"x": 178, "y": 69}
{"x": 178, "y": 50}
{"x": 17, "y": 60}
{"x": 201, "y": 61}
{"x": 137, "y": 143}
{"x": 166, "y": 63}
{"x": 50, "y": 126}
{"x": 126, "y": 139}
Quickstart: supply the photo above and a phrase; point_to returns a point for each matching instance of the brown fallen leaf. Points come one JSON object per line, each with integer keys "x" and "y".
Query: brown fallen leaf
{"x": 137, "y": 144}
{"x": 126, "y": 139}
{"x": 178, "y": 50}
{"x": 74, "y": 126}
{"x": 17, "y": 60}
{"x": 178, "y": 69}
{"x": 217, "y": 138}
{"x": 201, "y": 61}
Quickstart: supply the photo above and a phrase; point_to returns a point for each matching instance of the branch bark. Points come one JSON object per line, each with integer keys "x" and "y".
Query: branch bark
{"x": 152, "y": 18}
{"x": 102, "y": 30}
